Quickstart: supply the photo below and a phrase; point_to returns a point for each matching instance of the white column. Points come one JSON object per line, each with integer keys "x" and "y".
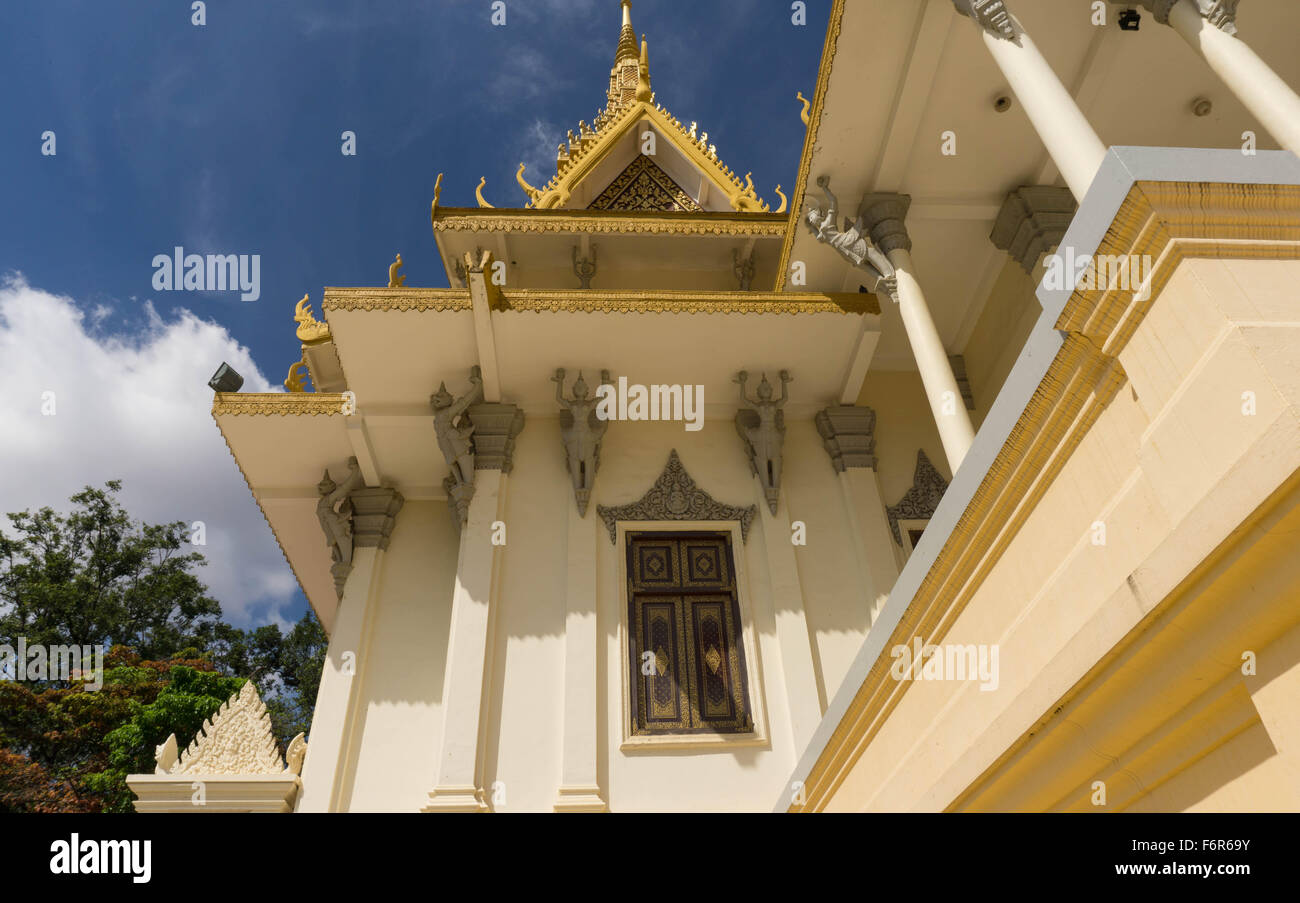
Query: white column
{"x": 848, "y": 434}
{"x": 328, "y": 753}
{"x": 941, "y": 389}
{"x": 1257, "y": 86}
{"x": 579, "y": 784}
{"x": 1064, "y": 130}
{"x": 458, "y": 787}
{"x": 792, "y": 634}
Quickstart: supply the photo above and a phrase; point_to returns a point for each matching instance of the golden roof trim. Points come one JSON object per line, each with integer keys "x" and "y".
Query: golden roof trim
{"x": 416, "y": 299}
{"x": 1167, "y": 221}
{"x": 599, "y": 301}
{"x": 473, "y": 219}
{"x": 281, "y": 404}
{"x": 810, "y": 139}
{"x": 686, "y": 302}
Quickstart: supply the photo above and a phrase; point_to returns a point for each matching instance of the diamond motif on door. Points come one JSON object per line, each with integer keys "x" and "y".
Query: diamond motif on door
{"x": 713, "y": 658}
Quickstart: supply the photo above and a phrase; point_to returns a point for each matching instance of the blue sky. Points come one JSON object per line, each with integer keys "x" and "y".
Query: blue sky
{"x": 225, "y": 138}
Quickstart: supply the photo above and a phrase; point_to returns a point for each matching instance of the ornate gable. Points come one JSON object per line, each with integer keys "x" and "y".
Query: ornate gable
{"x": 630, "y": 101}
{"x": 644, "y": 186}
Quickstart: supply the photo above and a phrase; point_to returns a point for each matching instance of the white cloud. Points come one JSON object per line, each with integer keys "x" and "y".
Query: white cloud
{"x": 138, "y": 409}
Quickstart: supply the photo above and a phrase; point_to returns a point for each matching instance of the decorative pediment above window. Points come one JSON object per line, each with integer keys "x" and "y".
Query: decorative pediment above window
{"x": 919, "y": 502}
{"x": 674, "y": 496}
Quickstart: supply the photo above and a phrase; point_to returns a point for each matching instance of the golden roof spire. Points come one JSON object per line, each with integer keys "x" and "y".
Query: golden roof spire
{"x": 626, "y": 36}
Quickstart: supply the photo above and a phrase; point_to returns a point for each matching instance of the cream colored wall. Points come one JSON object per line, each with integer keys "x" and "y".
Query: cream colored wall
{"x": 399, "y": 724}
{"x": 1187, "y": 483}
{"x": 398, "y": 731}
{"x": 903, "y": 425}
{"x": 1000, "y": 333}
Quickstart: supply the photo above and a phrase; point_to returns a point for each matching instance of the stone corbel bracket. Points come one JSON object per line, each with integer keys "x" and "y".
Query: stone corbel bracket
{"x": 1032, "y": 222}
{"x": 495, "y": 426}
{"x": 353, "y": 517}
{"x": 849, "y": 434}
{"x": 991, "y": 15}
{"x": 1222, "y": 14}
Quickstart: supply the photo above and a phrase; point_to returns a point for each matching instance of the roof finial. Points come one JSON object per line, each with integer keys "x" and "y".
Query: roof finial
{"x": 626, "y": 36}
{"x": 643, "y": 78}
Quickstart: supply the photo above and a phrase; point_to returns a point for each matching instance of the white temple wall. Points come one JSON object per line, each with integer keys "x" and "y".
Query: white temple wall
{"x": 398, "y": 723}
{"x": 397, "y": 727}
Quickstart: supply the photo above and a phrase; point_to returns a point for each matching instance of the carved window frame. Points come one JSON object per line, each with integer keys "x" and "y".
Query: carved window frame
{"x": 905, "y": 528}
{"x": 758, "y": 736}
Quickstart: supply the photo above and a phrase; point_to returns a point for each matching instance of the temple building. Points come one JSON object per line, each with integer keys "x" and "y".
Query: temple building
{"x": 957, "y": 476}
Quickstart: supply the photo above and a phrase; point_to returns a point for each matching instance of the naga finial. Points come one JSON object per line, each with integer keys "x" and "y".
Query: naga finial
{"x": 394, "y": 280}
{"x": 296, "y": 381}
{"x": 310, "y": 330}
{"x": 478, "y": 193}
{"x": 784, "y": 200}
{"x": 523, "y": 183}
{"x": 804, "y": 114}
{"x": 437, "y": 193}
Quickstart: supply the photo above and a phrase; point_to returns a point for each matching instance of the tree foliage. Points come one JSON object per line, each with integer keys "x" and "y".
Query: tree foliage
{"x": 94, "y": 577}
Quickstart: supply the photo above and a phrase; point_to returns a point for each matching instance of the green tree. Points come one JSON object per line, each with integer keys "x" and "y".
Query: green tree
{"x": 92, "y": 576}
{"x": 95, "y": 577}
{"x": 68, "y": 749}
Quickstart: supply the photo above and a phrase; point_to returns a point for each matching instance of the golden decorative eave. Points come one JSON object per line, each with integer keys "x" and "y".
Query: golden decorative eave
{"x": 813, "y": 118}
{"x": 594, "y": 301}
{"x": 473, "y": 219}
{"x": 1165, "y": 222}
{"x": 679, "y": 302}
{"x": 419, "y": 299}
{"x": 281, "y": 404}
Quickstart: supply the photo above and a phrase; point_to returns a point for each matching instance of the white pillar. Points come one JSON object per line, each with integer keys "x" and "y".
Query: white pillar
{"x": 797, "y": 668}
{"x": 884, "y": 215}
{"x": 458, "y": 787}
{"x": 1257, "y": 86}
{"x": 941, "y": 389}
{"x": 325, "y": 771}
{"x": 1064, "y": 130}
{"x": 579, "y": 783}
{"x": 328, "y": 753}
{"x": 848, "y": 434}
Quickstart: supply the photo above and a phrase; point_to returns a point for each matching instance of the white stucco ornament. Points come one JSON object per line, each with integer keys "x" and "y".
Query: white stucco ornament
{"x": 236, "y": 741}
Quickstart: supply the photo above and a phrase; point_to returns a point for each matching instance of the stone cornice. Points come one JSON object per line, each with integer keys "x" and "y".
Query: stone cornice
{"x": 1167, "y": 221}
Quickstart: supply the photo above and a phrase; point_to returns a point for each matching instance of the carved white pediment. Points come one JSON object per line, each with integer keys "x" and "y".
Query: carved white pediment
{"x": 236, "y": 741}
